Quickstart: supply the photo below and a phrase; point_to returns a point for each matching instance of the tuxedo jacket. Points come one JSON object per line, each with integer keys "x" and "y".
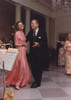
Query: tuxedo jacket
{"x": 41, "y": 38}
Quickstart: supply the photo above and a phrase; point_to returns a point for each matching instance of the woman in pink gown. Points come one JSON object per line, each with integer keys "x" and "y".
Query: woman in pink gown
{"x": 20, "y": 75}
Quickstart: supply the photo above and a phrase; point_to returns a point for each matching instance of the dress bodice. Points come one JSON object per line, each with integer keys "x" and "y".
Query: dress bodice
{"x": 19, "y": 37}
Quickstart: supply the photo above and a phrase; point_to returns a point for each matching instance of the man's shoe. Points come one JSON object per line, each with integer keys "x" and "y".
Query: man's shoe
{"x": 35, "y": 85}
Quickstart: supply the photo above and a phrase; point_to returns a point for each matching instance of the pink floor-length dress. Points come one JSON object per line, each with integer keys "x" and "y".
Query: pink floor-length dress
{"x": 20, "y": 75}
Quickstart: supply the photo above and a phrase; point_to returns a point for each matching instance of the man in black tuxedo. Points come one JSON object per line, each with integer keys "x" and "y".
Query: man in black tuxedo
{"x": 38, "y": 50}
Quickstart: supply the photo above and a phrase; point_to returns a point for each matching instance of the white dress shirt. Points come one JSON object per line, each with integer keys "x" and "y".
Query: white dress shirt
{"x": 36, "y": 31}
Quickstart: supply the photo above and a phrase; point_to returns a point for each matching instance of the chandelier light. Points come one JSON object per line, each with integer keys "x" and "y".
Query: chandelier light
{"x": 61, "y": 4}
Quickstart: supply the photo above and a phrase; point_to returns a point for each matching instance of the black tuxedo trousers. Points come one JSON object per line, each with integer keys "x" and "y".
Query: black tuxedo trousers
{"x": 36, "y": 66}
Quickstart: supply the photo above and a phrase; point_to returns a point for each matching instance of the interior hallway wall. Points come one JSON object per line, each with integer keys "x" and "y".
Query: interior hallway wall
{"x": 7, "y": 14}
{"x": 62, "y": 25}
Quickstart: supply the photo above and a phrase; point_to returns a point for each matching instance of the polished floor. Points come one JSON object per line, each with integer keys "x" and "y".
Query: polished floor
{"x": 55, "y": 86}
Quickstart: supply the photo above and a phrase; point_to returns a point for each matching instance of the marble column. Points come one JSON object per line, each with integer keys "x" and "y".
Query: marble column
{"x": 27, "y": 25}
{"x": 18, "y": 13}
{"x": 52, "y": 36}
{"x": 27, "y": 20}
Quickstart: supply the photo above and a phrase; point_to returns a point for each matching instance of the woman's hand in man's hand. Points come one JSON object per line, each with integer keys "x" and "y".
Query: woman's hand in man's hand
{"x": 24, "y": 44}
{"x": 36, "y": 44}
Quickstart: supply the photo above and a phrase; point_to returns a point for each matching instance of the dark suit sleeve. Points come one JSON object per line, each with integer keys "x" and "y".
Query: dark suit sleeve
{"x": 28, "y": 37}
{"x": 43, "y": 41}
{"x": 44, "y": 49}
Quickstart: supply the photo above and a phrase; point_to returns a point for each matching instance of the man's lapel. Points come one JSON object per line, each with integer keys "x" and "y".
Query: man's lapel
{"x": 38, "y": 33}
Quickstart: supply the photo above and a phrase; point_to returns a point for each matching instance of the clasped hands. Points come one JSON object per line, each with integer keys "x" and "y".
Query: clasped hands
{"x": 61, "y": 42}
{"x": 24, "y": 44}
{"x": 36, "y": 44}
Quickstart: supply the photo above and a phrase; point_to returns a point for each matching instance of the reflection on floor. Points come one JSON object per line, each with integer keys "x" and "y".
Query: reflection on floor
{"x": 55, "y": 86}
